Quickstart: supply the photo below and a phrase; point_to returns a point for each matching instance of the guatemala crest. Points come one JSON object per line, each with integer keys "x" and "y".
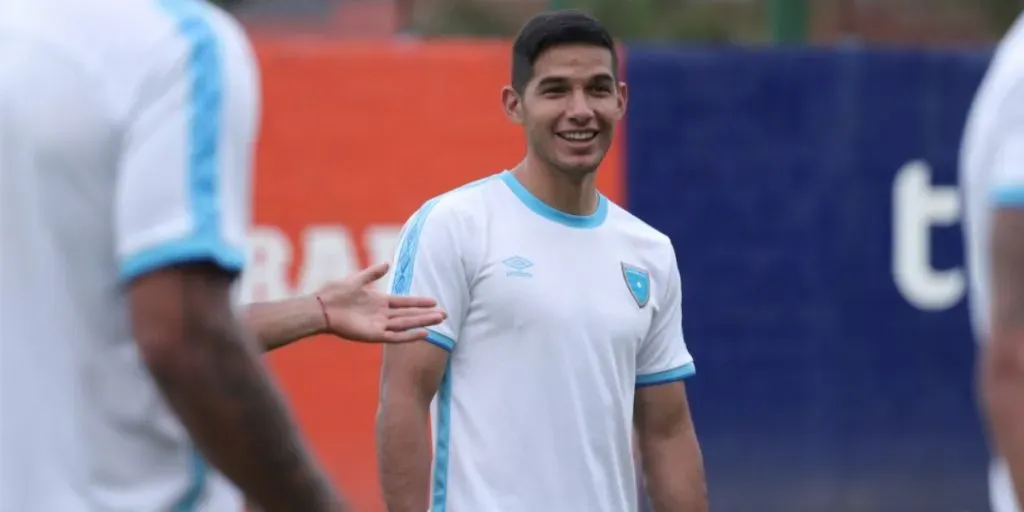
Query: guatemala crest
{"x": 638, "y": 281}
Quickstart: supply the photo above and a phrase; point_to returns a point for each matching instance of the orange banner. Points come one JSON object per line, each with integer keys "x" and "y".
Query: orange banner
{"x": 356, "y": 136}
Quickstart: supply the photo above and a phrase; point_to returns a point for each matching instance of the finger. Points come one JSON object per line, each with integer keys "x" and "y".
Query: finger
{"x": 405, "y": 323}
{"x": 371, "y": 274}
{"x": 398, "y": 301}
{"x": 406, "y": 336}
{"x": 397, "y": 313}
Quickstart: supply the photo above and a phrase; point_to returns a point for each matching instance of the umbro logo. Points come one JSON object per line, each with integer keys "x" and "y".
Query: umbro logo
{"x": 516, "y": 266}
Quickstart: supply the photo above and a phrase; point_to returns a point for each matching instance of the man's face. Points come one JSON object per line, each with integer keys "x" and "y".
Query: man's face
{"x": 570, "y": 107}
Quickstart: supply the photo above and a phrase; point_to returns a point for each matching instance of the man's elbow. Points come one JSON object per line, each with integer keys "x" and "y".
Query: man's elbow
{"x": 166, "y": 356}
{"x": 402, "y": 401}
{"x": 169, "y": 350}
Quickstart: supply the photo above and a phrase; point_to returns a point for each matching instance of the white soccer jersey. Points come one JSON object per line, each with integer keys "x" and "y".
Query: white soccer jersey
{"x": 554, "y": 320}
{"x": 992, "y": 161}
{"x": 126, "y": 139}
{"x": 992, "y": 176}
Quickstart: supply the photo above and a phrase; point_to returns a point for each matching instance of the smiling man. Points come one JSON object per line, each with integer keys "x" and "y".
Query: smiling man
{"x": 564, "y": 328}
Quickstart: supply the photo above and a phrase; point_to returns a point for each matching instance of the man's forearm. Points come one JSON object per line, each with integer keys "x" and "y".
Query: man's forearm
{"x": 1002, "y": 385}
{"x": 674, "y": 473}
{"x": 403, "y": 445}
{"x": 227, "y": 402}
{"x": 276, "y": 324}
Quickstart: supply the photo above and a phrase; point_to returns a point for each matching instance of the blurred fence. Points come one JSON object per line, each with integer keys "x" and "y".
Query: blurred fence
{"x": 811, "y": 198}
{"x": 883, "y": 21}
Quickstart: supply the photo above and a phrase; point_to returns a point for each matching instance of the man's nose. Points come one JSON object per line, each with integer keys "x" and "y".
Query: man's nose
{"x": 579, "y": 110}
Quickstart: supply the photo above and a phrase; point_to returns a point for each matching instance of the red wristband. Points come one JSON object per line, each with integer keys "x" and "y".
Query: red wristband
{"x": 323, "y": 309}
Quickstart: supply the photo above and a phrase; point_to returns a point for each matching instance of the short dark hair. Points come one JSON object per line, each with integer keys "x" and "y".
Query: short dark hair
{"x": 555, "y": 28}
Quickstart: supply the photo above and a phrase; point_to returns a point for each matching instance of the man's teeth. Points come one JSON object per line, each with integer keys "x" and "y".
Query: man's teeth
{"x": 578, "y": 136}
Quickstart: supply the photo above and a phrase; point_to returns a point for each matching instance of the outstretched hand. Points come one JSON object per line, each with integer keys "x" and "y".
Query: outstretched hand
{"x": 354, "y": 310}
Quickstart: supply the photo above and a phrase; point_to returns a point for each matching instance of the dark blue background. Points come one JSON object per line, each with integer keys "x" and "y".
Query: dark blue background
{"x": 818, "y": 387}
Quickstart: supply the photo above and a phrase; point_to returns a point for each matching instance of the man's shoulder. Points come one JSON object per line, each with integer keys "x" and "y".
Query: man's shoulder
{"x": 636, "y": 229}
{"x": 452, "y": 217}
{"x": 650, "y": 248}
{"x": 467, "y": 200}
{"x": 117, "y": 44}
{"x": 1004, "y": 78}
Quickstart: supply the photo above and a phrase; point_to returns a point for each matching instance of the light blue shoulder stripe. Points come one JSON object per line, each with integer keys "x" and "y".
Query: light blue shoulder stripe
{"x": 205, "y": 122}
{"x": 401, "y": 285}
{"x": 409, "y": 245}
{"x": 205, "y": 68}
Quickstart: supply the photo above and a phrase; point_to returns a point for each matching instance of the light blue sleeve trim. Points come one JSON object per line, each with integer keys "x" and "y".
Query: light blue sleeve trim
{"x": 675, "y": 374}
{"x": 179, "y": 252}
{"x": 436, "y": 338}
{"x": 1008, "y": 196}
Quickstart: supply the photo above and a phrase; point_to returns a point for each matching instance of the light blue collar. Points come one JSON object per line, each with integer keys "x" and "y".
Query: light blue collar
{"x": 540, "y": 208}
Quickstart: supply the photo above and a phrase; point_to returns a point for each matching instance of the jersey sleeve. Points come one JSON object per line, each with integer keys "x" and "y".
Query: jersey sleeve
{"x": 183, "y": 182}
{"x": 1008, "y": 163}
{"x": 663, "y": 356}
{"x": 430, "y": 262}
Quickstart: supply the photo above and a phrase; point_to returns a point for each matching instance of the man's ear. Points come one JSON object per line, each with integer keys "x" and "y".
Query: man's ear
{"x": 512, "y": 104}
{"x": 623, "y": 99}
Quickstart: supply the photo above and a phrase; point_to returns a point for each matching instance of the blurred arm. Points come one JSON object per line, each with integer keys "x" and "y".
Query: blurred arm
{"x": 672, "y": 462}
{"x": 669, "y": 452}
{"x": 182, "y": 211}
{"x": 276, "y": 324}
{"x": 1002, "y": 361}
{"x": 199, "y": 357}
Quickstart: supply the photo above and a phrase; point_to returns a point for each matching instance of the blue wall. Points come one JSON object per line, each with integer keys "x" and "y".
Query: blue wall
{"x": 822, "y": 385}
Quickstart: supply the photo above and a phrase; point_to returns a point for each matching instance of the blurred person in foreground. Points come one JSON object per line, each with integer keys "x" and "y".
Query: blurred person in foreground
{"x": 127, "y": 131}
{"x": 564, "y": 325}
{"x": 992, "y": 181}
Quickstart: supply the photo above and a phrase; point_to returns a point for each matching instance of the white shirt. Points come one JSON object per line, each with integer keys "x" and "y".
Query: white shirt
{"x": 126, "y": 139}
{"x": 554, "y": 320}
{"x": 992, "y": 162}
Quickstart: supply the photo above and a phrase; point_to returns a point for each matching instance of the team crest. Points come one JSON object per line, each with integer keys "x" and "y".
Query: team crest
{"x": 638, "y": 281}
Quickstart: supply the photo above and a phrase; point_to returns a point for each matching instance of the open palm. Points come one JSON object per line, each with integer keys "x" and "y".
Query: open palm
{"x": 357, "y": 312}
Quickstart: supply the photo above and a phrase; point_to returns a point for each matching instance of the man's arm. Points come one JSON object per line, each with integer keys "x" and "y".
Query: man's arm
{"x": 431, "y": 261}
{"x": 1002, "y": 360}
{"x": 350, "y": 308}
{"x": 1001, "y": 363}
{"x": 279, "y": 323}
{"x": 669, "y": 451}
{"x": 410, "y": 377}
{"x": 199, "y": 357}
{"x": 181, "y": 215}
